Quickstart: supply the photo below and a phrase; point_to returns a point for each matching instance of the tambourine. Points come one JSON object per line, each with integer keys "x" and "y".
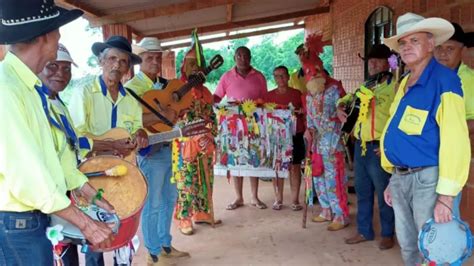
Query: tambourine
{"x": 445, "y": 243}
{"x": 72, "y": 234}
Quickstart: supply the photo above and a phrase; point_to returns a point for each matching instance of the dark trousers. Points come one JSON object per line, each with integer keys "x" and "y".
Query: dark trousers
{"x": 371, "y": 180}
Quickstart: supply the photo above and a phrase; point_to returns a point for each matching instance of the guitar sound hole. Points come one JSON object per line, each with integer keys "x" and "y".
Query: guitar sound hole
{"x": 176, "y": 97}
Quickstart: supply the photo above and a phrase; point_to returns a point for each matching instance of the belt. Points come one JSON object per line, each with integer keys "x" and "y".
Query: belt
{"x": 407, "y": 170}
{"x": 374, "y": 142}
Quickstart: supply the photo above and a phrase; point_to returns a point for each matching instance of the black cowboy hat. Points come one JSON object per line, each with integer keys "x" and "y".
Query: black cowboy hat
{"x": 380, "y": 51}
{"x": 117, "y": 42}
{"x": 23, "y": 20}
{"x": 459, "y": 35}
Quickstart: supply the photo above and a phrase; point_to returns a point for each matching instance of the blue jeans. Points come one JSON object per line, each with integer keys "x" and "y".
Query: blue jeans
{"x": 457, "y": 205}
{"x": 371, "y": 179}
{"x": 159, "y": 206}
{"x": 23, "y": 239}
{"x": 413, "y": 200}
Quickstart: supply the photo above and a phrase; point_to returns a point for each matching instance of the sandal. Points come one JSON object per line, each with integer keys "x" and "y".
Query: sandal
{"x": 296, "y": 207}
{"x": 234, "y": 205}
{"x": 260, "y": 205}
{"x": 277, "y": 206}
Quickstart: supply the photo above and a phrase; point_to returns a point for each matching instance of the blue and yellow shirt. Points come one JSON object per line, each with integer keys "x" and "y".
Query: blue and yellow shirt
{"x": 466, "y": 74}
{"x": 93, "y": 110}
{"x": 427, "y": 127}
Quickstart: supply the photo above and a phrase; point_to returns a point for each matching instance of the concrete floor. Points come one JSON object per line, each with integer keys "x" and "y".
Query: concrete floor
{"x": 249, "y": 236}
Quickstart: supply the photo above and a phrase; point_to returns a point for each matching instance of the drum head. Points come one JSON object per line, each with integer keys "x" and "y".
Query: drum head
{"x": 73, "y": 234}
{"x": 445, "y": 243}
{"x": 126, "y": 193}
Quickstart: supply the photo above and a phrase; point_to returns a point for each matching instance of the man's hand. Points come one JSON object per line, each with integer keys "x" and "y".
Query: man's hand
{"x": 89, "y": 193}
{"x": 443, "y": 209}
{"x": 387, "y": 195}
{"x": 377, "y": 152}
{"x": 122, "y": 147}
{"x": 341, "y": 114}
{"x": 98, "y": 234}
{"x": 141, "y": 138}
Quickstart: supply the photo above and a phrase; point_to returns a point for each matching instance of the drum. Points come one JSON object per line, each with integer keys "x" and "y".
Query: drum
{"x": 72, "y": 234}
{"x": 126, "y": 193}
{"x": 447, "y": 243}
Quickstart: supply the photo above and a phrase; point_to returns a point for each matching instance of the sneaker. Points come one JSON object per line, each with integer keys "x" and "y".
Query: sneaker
{"x": 171, "y": 252}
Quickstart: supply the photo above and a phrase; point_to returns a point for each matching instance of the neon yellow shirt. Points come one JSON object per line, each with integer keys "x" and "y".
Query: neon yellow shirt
{"x": 31, "y": 176}
{"x": 67, "y": 156}
{"x": 297, "y": 82}
{"x": 93, "y": 110}
{"x": 384, "y": 94}
{"x": 467, "y": 80}
{"x": 140, "y": 83}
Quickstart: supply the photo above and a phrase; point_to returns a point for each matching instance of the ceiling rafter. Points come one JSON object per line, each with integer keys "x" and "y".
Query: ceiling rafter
{"x": 236, "y": 36}
{"x": 158, "y": 11}
{"x": 239, "y": 24}
{"x": 89, "y": 12}
{"x": 229, "y": 10}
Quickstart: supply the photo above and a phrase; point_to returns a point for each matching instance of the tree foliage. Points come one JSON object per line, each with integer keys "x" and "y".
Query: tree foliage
{"x": 266, "y": 55}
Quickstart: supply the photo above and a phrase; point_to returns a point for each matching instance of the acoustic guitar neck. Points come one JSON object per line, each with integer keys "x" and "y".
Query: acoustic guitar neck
{"x": 193, "y": 82}
{"x": 164, "y": 136}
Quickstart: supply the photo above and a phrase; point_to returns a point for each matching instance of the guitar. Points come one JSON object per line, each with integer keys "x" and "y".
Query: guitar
{"x": 352, "y": 109}
{"x": 175, "y": 95}
{"x": 192, "y": 129}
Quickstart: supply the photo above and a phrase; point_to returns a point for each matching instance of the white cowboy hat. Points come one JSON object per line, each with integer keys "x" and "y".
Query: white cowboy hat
{"x": 410, "y": 23}
{"x": 64, "y": 55}
{"x": 147, "y": 44}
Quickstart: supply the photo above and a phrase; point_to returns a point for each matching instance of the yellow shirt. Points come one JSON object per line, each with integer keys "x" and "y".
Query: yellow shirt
{"x": 140, "y": 84}
{"x": 67, "y": 156}
{"x": 467, "y": 80}
{"x": 297, "y": 82}
{"x": 384, "y": 94}
{"x": 31, "y": 177}
{"x": 93, "y": 110}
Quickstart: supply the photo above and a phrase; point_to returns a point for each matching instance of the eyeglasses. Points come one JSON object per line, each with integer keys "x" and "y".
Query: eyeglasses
{"x": 111, "y": 60}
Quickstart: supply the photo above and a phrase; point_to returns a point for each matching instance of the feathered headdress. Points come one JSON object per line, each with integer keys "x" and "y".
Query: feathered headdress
{"x": 195, "y": 51}
{"x": 312, "y": 64}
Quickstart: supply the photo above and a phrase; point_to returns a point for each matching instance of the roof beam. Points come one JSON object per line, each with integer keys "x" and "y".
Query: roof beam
{"x": 239, "y": 24}
{"x": 229, "y": 10}
{"x": 158, "y": 11}
{"x": 236, "y": 36}
{"x": 89, "y": 12}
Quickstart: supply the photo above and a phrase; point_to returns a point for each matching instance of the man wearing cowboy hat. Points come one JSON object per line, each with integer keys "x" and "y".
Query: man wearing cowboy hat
{"x": 30, "y": 192}
{"x": 377, "y": 93}
{"x": 70, "y": 147}
{"x": 105, "y": 104}
{"x": 155, "y": 163}
{"x": 425, "y": 144}
{"x": 450, "y": 54}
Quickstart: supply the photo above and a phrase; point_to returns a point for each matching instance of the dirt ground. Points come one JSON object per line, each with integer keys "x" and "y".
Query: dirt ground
{"x": 249, "y": 236}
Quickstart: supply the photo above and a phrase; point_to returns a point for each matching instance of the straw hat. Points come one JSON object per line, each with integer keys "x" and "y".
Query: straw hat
{"x": 147, "y": 44}
{"x": 64, "y": 55}
{"x": 410, "y": 23}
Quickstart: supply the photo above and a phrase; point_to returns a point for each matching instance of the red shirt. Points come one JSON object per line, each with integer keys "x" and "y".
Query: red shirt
{"x": 292, "y": 96}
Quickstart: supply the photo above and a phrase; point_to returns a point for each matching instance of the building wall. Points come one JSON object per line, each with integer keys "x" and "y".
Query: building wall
{"x": 347, "y": 20}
